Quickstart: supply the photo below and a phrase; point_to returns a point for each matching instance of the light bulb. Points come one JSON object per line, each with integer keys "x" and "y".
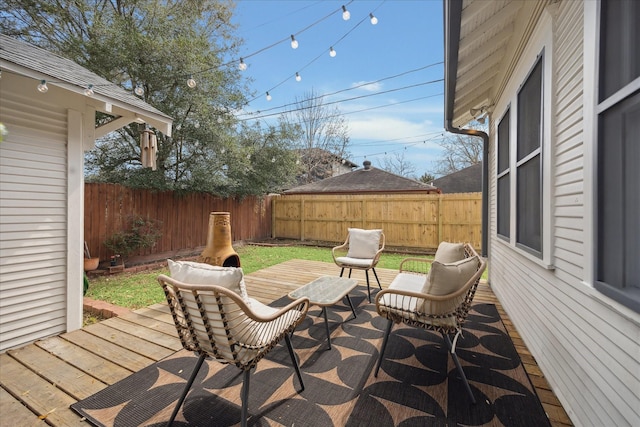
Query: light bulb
{"x": 222, "y": 150}
{"x": 332, "y": 53}
{"x": 294, "y": 42}
{"x": 89, "y": 90}
{"x": 345, "y": 14}
{"x": 373, "y": 19}
{"x": 220, "y": 119}
{"x": 273, "y": 160}
{"x": 42, "y": 87}
{"x": 297, "y": 161}
{"x": 268, "y": 96}
{"x": 138, "y": 90}
{"x": 242, "y": 65}
{"x": 298, "y": 78}
{"x": 191, "y": 82}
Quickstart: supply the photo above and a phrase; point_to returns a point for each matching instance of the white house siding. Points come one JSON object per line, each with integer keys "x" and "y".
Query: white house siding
{"x": 586, "y": 344}
{"x": 33, "y": 215}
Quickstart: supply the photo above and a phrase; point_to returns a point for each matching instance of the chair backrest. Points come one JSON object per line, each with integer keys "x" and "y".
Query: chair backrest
{"x": 365, "y": 244}
{"x": 214, "y": 320}
{"x": 472, "y": 284}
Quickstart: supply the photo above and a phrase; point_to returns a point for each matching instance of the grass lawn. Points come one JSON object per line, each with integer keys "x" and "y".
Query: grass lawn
{"x": 142, "y": 289}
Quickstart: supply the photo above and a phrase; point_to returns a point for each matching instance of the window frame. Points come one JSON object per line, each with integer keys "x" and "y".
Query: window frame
{"x": 505, "y": 173}
{"x": 540, "y": 48}
{"x": 626, "y": 294}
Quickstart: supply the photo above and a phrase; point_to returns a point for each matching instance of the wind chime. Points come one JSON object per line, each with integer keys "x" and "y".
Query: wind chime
{"x": 148, "y": 148}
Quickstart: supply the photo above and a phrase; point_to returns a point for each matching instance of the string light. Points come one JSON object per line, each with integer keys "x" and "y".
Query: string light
{"x": 89, "y": 90}
{"x": 273, "y": 160}
{"x": 42, "y": 87}
{"x": 298, "y": 78}
{"x": 242, "y": 66}
{"x": 294, "y": 42}
{"x": 345, "y": 13}
{"x": 373, "y": 19}
{"x": 268, "y": 96}
{"x": 332, "y": 53}
{"x": 191, "y": 82}
{"x": 138, "y": 90}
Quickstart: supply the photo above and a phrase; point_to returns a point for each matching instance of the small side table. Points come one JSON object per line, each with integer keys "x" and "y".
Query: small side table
{"x": 325, "y": 291}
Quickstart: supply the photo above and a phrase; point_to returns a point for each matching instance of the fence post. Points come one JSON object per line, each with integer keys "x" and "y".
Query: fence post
{"x": 439, "y": 218}
{"x": 302, "y": 220}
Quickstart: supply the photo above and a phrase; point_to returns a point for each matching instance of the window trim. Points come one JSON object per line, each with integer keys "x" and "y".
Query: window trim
{"x": 595, "y": 108}
{"x": 505, "y": 172}
{"x": 541, "y": 46}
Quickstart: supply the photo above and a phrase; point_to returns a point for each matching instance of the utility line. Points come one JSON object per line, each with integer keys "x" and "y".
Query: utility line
{"x": 349, "y": 88}
{"x": 343, "y": 100}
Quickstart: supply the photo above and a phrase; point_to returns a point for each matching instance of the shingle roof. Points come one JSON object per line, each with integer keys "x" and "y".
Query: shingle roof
{"x": 467, "y": 180}
{"x": 365, "y": 180}
{"x": 58, "y": 70}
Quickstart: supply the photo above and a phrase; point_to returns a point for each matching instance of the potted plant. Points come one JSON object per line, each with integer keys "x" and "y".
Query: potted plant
{"x": 90, "y": 264}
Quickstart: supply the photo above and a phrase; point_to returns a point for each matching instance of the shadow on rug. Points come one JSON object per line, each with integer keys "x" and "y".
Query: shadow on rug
{"x": 417, "y": 384}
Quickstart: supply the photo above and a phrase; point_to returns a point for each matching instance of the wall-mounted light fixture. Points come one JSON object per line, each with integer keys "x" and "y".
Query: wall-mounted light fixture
{"x": 480, "y": 114}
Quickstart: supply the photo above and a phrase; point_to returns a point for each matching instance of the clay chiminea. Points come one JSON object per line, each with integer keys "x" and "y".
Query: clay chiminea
{"x": 219, "y": 250}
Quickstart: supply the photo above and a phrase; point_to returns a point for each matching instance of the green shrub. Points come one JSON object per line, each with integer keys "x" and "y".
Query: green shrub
{"x": 140, "y": 233}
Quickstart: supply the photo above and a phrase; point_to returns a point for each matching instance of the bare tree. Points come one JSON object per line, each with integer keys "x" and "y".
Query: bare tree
{"x": 459, "y": 152}
{"x": 399, "y": 165}
{"x": 324, "y": 136}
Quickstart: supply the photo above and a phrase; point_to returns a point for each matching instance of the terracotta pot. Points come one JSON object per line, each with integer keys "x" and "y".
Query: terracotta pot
{"x": 91, "y": 263}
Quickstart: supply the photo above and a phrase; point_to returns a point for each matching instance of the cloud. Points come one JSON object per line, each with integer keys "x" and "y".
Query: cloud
{"x": 371, "y": 87}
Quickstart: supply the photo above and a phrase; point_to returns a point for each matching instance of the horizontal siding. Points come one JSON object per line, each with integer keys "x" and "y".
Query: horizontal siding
{"x": 587, "y": 347}
{"x": 33, "y": 220}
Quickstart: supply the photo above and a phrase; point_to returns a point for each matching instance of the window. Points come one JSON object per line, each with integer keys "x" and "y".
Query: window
{"x": 528, "y": 163}
{"x": 504, "y": 187}
{"x": 618, "y": 149}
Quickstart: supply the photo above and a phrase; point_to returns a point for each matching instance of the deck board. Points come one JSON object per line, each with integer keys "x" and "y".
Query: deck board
{"x": 111, "y": 350}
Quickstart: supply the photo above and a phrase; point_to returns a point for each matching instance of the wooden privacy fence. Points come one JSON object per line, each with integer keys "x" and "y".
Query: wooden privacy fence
{"x": 418, "y": 221}
{"x": 184, "y": 217}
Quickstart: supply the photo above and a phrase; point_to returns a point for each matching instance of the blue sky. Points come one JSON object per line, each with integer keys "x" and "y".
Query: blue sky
{"x": 401, "y": 54}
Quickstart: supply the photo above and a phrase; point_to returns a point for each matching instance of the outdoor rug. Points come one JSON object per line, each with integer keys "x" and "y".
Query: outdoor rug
{"x": 417, "y": 384}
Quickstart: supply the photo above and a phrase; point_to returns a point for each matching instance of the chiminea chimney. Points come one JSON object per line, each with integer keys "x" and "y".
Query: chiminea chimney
{"x": 219, "y": 250}
{"x": 367, "y": 165}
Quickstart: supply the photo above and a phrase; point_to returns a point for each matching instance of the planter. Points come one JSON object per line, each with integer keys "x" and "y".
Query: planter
{"x": 91, "y": 263}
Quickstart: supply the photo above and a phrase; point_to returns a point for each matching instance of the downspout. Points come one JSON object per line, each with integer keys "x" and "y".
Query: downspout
{"x": 452, "y": 19}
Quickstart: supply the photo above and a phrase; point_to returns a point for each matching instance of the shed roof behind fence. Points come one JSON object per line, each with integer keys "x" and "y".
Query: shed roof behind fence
{"x": 365, "y": 180}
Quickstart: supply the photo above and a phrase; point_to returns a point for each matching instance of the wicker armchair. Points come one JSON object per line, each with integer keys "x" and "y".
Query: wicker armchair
{"x": 361, "y": 251}
{"x": 214, "y": 321}
{"x": 406, "y": 302}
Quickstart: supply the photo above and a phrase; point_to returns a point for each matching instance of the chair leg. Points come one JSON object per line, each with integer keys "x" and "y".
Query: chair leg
{"x": 447, "y": 340}
{"x": 245, "y": 397}
{"x": 384, "y": 346}
{"x": 378, "y": 280}
{"x": 350, "y": 273}
{"x": 341, "y": 271}
{"x": 186, "y": 389}
{"x": 366, "y": 273}
{"x": 294, "y": 361}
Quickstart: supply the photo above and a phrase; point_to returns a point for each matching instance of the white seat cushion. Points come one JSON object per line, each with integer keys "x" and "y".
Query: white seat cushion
{"x": 363, "y": 243}
{"x": 356, "y": 262}
{"x": 449, "y": 252}
{"x": 445, "y": 279}
{"x": 197, "y": 273}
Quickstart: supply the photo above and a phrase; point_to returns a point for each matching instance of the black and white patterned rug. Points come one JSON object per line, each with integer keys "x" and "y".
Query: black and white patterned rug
{"x": 417, "y": 384}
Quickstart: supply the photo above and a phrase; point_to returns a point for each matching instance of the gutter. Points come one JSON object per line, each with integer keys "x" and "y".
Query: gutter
{"x": 452, "y": 18}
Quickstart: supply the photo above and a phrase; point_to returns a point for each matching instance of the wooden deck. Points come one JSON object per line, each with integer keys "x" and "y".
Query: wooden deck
{"x": 41, "y": 380}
